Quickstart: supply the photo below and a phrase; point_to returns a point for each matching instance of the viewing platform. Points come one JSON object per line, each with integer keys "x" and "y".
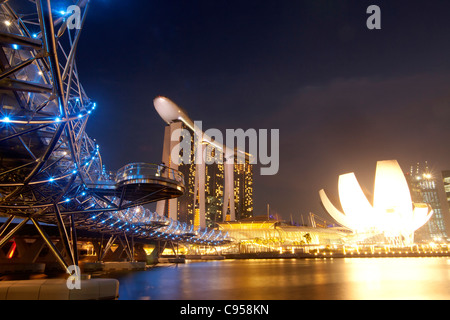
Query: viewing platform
{"x": 141, "y": 181}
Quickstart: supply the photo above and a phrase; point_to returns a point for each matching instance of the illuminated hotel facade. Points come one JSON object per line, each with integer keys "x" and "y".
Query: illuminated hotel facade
{"x": 217, "y": 190}
{"x": 424, "y": 188}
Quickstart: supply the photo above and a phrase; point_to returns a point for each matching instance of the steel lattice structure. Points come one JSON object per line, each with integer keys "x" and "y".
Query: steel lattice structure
{"x": 50, "y": 169}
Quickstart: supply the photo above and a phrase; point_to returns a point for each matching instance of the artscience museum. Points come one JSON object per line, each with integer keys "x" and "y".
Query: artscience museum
{"x": 391, "y": 217}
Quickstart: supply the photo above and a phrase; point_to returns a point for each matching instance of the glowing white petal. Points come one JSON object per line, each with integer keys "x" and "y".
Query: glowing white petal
{"x": 335, "y": 213}
{"x": 354, "y": 202}
{"x": 392, "y": 214}
{"x": 391, "y": 193}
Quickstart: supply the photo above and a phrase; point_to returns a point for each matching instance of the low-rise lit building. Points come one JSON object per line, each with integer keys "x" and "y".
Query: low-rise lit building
{"x": 263, "y": 234}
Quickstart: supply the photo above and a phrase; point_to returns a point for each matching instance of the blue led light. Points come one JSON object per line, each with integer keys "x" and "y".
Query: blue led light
{"x": 51, "y": 179}
{"x": 15, "y": 46}
{"x": 6, "y": 119}
{"x": 57, "y": 119}
{"x": 34, "y": 35}
{"x": 79, "y": 116}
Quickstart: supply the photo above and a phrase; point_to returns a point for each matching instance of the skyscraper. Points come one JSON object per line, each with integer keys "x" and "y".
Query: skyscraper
{"x": 217, "y": 189}
{"x": 243, "y": 190}
{"x": 446, "y": 179}
{"x": 424, "y": 188}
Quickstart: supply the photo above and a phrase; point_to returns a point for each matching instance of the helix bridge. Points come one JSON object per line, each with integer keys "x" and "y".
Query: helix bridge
{"x": 51, "y": 171}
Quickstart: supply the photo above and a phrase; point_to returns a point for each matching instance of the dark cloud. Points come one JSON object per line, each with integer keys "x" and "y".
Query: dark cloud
{"x": 349, "y": 124}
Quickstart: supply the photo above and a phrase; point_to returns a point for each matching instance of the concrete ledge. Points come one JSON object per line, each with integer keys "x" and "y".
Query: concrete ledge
{"x": 204, "y": 257}
{"x": 263, "y": 255}
{"x": 213, "y": 258}
{"x": 56, "y": 289}
{"x": 171, "y": 260}
{"x": 113, "y": 266}
{"x": 92, "y": 266}
{"x": 8, "y": 268}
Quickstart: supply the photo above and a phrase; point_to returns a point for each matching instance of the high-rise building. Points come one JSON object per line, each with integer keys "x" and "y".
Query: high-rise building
{"x": 243, "y": 190}
{"x": 446, "y": 179}
{"x": 216, "y": 190}
{"x": 424, "y": 188}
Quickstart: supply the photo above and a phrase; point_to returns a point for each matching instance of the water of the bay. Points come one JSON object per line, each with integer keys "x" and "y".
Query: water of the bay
{"x": 291, "y": 279}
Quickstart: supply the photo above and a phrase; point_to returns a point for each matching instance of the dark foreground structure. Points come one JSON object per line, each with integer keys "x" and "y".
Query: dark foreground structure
{"x": 51, "y": 171}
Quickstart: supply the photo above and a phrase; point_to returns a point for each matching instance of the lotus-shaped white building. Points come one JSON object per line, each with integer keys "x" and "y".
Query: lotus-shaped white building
{"x": 392, "y": 214}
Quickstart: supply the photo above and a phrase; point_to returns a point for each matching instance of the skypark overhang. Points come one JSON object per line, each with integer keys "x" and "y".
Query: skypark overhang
{"x": 170, "y": 112}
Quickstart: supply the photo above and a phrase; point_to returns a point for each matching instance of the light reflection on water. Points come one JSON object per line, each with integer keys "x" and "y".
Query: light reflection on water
{"x": 290, "y": 279}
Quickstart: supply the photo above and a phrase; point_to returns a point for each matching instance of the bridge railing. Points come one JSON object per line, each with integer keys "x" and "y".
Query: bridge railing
{"x": 135, "y": 171}
{"x": 141, "y": 222}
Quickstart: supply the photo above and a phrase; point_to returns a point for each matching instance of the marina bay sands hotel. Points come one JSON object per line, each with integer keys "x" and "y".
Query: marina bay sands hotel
{"x": 217, "y": 189}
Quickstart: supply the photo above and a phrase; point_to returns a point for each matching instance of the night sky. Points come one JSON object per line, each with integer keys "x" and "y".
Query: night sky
{"x": 342, "y": 96}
